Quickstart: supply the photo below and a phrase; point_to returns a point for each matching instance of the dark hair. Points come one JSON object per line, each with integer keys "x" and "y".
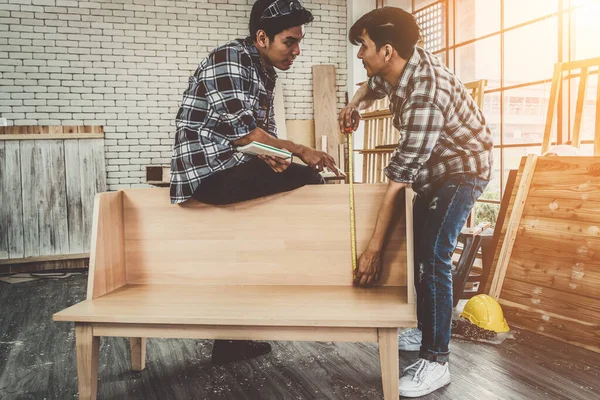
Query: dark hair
{"x": 273, "y": 26}
{"x": 388, "y": 25}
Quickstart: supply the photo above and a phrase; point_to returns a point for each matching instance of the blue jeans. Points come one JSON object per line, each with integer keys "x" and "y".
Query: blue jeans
{"x": 438, "y": 219}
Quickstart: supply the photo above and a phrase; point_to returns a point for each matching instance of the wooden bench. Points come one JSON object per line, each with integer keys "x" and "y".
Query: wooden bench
{"x": 276, "y": 268}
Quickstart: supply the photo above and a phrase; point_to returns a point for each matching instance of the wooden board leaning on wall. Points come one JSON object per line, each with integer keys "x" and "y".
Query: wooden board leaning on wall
{"x": 552, "y": 283}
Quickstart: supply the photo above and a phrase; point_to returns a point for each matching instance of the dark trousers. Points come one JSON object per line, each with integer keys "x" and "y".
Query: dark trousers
{"x": 252, "y": 180}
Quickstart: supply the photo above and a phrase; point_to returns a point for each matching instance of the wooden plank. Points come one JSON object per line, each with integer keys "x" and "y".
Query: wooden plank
{"x": 325, "y": 107}
{"x": 568, "y": 304}
{"x": 107, "y": 259}
{"x": 557, "y": 226}
{"x": 30, "y": 171}
{"x": 574, "y": 270}
{"x": 73, "y": 182}
{"x": 583, "y": 78}
{"x": 3, "y": 209}
{"x": 13, "y": 200}
{"x": 409, "y": 196}
{"x": 513, "y": 225}
{"x": 93, "y": 181}
{"x": 579, "y": 333}
{"x": 54, "y": 238}
{"x": 562, "y": 209}
{"x": 590, "y": 62}
{"x": 284, "y": 333}
{"x": 52, "y": 136}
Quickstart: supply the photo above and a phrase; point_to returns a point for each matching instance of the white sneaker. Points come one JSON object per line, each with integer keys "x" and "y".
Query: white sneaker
{"x": 410, "y": 340}
{"x": 423, "y": 377}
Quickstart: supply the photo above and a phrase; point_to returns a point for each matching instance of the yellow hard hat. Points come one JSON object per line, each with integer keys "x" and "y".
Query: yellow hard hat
{"x": 485, "y": 312}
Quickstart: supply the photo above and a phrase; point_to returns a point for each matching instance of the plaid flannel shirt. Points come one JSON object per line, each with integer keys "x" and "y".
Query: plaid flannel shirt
{"x": 442, "y": 130}
{"x": 230, "y": 94}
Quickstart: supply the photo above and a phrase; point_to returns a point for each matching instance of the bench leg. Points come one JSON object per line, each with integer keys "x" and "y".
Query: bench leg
{"x": 138, "y": 353}
{"x": 388, "y": 356}
{"x": 87, "y": 348}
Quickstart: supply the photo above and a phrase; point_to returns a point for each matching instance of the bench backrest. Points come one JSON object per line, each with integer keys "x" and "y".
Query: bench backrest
{"x": 300, "y": 237}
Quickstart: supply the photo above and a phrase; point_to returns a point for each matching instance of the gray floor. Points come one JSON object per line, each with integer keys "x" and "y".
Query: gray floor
{"x": 37, "y": 361}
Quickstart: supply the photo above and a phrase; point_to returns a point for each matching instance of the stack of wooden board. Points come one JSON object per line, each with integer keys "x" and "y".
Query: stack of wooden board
{"x": 547, "y": 264}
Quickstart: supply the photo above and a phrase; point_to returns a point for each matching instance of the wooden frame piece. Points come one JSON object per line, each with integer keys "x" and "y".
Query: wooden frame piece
{"x": 555, "y": 93}
{"x": 513, "y": 226}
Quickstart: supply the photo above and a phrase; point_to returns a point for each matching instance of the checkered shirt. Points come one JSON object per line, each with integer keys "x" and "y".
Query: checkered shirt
{"x": 230, "y": 94}
{"x": 442, "y": 130}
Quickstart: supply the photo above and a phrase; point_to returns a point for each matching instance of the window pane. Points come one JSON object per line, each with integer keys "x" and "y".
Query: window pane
{"x": 432, "y": 21}
{"x": 480, "y": 60}
{"x": 530, "y": 52}
{"x": 518, "y": 11}
{"x": 585, "y": 31}
{"x": 476, "y": 18}
{"x": 491, "y": 111}
{"x": 525, "y": 114}
{"x": 588, "y": 123}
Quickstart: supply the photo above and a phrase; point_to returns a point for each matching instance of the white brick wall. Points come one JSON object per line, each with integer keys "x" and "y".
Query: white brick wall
{"x": 124, "y": 64}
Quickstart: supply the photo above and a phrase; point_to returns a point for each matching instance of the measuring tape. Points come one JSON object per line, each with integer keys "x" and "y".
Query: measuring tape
{"x": 352, "y": 218}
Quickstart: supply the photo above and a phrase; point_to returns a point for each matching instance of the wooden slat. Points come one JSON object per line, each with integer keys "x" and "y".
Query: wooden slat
{"x": 74, "y": 182}
{"x": 325, "y": 107}
{"x": 579, "y": 333}
{"x": 590, "y": 62}
{"x": 54, "y": 237}
{"x": 52, "y": 136}
{"x": 552, "y": 103}
{"x": 13, "y": 201}
{"x": 93, "y": 171}
{"x": 563, "y": 209}
{"x": 282, "y": 333}
{"x": 30, "y": 170}
{"x": 579, "y": 107}
{"x": 3, "y": 209}
{"x": 513, "y": 225}
{"x": 410, "y": 264}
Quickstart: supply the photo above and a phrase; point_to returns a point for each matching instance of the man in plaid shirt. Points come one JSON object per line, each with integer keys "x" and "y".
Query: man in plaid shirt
{"x": 228, "y": 103}
{"x": 444, "y": 152}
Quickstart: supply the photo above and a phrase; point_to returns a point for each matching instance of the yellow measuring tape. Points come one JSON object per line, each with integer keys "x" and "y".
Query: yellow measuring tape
{"x": 352, "y": 218}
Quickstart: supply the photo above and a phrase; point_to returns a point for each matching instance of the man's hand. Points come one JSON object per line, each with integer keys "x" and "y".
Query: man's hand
{"x": 368, "y": 269}
{"x": 277, "y": 164}
{"x": 349, "y": 118}
{"x": 318, "y": 159}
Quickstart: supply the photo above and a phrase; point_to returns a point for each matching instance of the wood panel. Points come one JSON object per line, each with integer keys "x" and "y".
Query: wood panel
{"x": 212, "y": 245}
{"x": 325, "y": 108}
{"x": 107, "y": 258}
{"x": 553, "y": 275}
{"x": 50, "y": 185}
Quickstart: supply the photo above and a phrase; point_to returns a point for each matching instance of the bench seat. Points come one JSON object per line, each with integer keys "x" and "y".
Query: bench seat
{"x": 328, "y": 306}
